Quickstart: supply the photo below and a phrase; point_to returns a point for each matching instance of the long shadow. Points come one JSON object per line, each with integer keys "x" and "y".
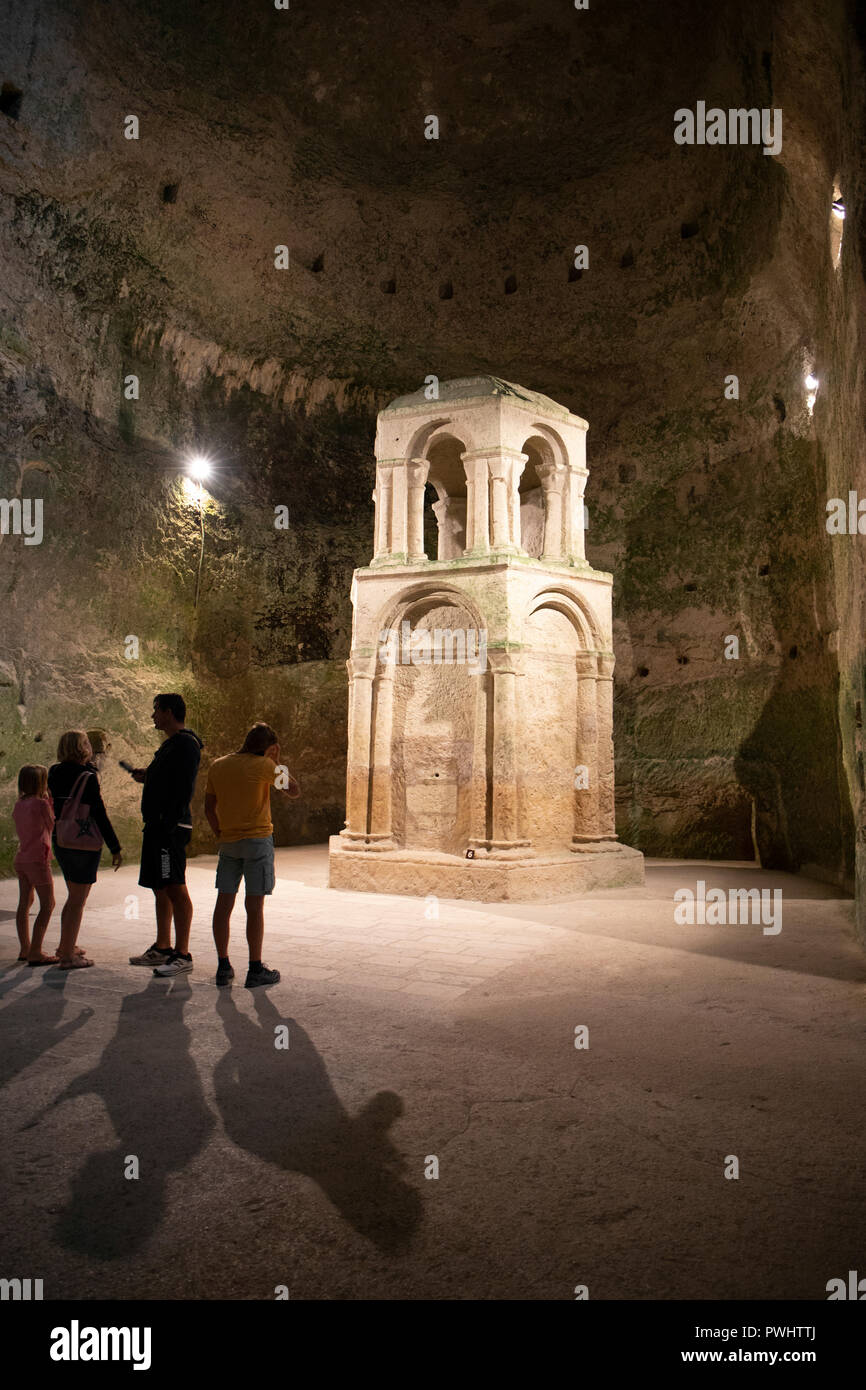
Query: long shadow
{"x": 281, "y": 1106}
{"x": 13, "y": 975}
{"x": 31, "y": 1023}
{"x": 151, "y": 1089}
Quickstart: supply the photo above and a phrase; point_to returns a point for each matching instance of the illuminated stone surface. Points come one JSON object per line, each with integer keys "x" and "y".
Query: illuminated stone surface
{"x": 480, "y": 759}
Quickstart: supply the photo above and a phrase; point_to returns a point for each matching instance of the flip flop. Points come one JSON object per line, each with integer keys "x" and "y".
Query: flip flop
{"x": 77, "y": 963}
{"x": 23, "y": 958}
{"x": 49, "y": 960}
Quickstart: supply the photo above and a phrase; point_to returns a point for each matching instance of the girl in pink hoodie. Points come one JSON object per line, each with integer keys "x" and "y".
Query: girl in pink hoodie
{"x": 33, "y": 815}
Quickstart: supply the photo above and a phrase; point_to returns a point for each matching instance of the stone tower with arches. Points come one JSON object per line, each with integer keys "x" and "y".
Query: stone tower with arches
{"x": 480, "y": 759}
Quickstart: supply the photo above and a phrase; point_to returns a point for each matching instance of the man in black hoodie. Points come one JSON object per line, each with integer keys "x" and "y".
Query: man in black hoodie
{"x": 169, "y": 783}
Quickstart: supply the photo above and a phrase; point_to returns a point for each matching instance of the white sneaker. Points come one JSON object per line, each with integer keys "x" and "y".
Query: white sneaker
{"x": 152, "y": 956}
{"x": 175, "y": 965}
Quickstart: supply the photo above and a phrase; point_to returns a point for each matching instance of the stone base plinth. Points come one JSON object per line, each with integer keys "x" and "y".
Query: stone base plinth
{"x": 419, "y": 873}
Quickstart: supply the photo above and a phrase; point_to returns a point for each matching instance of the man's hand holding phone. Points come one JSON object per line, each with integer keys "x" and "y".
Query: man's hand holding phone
{"x": 137, "y": 774}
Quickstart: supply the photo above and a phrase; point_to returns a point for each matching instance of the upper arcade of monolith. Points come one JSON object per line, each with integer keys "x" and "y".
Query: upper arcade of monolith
{"x": 508, "y": 467}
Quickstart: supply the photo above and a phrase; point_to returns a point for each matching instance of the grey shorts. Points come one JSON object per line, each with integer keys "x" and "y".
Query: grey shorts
{"x": 250, "y": 860}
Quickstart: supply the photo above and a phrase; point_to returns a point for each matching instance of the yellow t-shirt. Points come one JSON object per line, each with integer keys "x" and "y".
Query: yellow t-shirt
{"x": 241, "y": 783}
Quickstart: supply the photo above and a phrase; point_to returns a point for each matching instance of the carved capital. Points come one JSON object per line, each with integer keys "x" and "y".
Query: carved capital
{"x": 552, "y": 476}
{"x": 586, "y": 664}
{"x": 417, "y": 470}
{"x": 505, "y": 661}
{"x": 361, "y": 666}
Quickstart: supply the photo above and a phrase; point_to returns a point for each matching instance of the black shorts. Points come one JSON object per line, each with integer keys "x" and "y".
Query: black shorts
{"x": 163, "y": 856}
{"x": 77, "y": 865}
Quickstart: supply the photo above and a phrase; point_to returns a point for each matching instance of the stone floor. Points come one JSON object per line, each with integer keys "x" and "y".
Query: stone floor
{"x": 433, "y": 1030}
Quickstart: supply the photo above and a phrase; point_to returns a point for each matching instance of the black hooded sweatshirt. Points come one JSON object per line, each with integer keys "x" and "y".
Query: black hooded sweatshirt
{"x": 170, "y": 781}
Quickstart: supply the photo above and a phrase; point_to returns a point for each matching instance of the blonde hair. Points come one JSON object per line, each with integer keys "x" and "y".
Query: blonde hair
{"x": 70, "y": 748}
{"x": 32, "y": 780}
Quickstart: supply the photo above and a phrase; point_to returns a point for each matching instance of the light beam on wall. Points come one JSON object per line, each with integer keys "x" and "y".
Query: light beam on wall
{"x": 197, "y": 468}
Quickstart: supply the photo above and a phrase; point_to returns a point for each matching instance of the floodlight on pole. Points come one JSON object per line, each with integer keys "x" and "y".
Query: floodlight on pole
{"x": 199, "y": 468}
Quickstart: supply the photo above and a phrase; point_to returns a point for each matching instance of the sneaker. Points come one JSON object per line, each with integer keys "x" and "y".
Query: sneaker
{"x": 154, "y": 955}
{"x": 224, "y": 975}
{"x": 174, "y": 965}
{"x": 261, "y": 977}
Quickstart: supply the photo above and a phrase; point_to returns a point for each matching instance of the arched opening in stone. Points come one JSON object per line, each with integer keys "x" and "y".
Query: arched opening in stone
{"x": 532, "y": 499}
{"x": 448, "y": 477}
{"x": 547, "y": 739}
{"x": 435, "y": 694}
{"x": 431, "y": 523}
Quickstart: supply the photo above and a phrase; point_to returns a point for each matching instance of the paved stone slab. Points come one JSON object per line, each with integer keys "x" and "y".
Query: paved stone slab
{"x": 557, "y": 1165}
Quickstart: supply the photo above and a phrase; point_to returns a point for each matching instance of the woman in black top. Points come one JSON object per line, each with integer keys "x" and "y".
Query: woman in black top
{"x": 78, "y": 866}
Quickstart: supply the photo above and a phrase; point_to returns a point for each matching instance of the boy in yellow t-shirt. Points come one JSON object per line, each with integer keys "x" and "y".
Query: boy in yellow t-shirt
{"x": 238, "y": 806}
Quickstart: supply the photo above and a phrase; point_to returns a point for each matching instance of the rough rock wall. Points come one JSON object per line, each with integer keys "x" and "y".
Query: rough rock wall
{"x": 409, "y": 256}
{"x": 840, "y": 416}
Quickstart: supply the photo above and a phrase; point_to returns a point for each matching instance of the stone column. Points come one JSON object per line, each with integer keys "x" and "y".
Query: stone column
{"x": 400, "y": 514}
{"x": 450, "y": 515}
{"x": 380, "y": 783}
{"x": 440, "y": 511}
{"x": 417, "y": 470}
{"x": 586, "y": 823}
{"x": 382, "y": 498}
{"x": 553, "y": 479}
{"x": 604, "y": 691}
{"x": 575, "y": 532}
{"x": 478, "y": 839}
{"x": 360, "y": 670}
{"x": 477, "y": 508}
{"x": 498, "y": 463}
{"x": 499, "y": 479}
{"x": 518, "y": 464}
{"x": 374, "y": 497}
{"x": 504, "y": 670}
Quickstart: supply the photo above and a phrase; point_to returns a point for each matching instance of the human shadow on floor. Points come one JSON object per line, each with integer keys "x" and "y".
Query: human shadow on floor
{"x": 31, "y": 1023}
{"x": 150, "y": 1087}
{"x": 280, "y": 1105}
{"x": 12, "y": 976}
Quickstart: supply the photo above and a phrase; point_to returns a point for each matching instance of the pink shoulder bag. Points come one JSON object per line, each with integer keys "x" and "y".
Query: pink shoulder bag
{"x": 76, "y": 828}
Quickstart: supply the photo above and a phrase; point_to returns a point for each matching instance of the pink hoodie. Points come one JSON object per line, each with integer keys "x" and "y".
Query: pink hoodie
{"x": 34, "y": 821}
